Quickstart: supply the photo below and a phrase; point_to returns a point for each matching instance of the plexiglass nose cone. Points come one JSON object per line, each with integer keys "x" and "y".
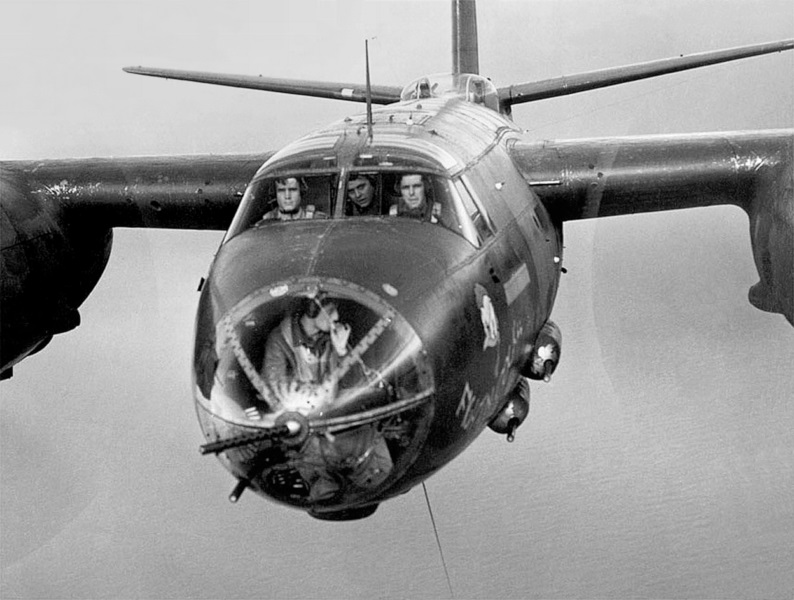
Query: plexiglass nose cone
{"x": 340, "y": 366}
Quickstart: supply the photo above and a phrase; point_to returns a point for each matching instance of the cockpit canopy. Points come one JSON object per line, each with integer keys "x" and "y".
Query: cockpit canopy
{"x": 472, "y": 88}
{"x": 365, "y": 191}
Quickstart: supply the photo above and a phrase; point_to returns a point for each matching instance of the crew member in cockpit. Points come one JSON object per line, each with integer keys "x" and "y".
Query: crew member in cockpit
{"x": 413, "y": 201}
{"x": 361, "y": 196}
{"x": 288, "y": 200}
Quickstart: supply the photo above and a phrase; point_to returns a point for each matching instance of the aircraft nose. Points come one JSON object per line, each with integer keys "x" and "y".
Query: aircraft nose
{"x": 331, "y": 358}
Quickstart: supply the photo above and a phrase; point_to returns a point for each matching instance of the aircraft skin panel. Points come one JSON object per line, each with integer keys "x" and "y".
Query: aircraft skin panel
{"x": 580, "y": 179}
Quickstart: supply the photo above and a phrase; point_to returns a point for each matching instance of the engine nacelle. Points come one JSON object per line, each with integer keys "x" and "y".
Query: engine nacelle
{"x": 49, "y": 264}
{"x": 545, "y": 353}
{"x": 514, "y": 412}
{"x": 771, "y": 213}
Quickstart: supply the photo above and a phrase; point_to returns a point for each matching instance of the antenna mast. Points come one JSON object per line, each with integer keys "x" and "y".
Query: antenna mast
{"x": 369, "y": 91}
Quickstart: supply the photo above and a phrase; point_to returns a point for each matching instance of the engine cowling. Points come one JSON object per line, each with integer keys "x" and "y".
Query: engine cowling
{"x": 49, "y": 265}
{"x": 771, "y": 215}
{"x": 514, "y": 412}
{"x": 545, "y": 355}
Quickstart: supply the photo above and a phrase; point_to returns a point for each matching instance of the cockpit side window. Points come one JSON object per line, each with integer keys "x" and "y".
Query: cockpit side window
{"x": 476, "y": 211}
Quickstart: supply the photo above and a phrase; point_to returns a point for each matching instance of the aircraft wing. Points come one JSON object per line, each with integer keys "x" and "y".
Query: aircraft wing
{"x": 173, "y": 192}
{"x": 587, "y": 178}
{"x": 56, "y": 220}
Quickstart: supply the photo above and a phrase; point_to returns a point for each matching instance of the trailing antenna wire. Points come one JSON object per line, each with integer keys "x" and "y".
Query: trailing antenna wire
{"x": 438, "y": 542}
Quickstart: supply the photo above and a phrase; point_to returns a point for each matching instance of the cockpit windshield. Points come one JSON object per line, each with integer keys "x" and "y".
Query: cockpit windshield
{"x": 389, "y": 191}
{"x": 471, "y": 88}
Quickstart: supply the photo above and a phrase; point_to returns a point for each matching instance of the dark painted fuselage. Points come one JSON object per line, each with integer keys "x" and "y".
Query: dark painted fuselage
{"x": 452, "y": 313}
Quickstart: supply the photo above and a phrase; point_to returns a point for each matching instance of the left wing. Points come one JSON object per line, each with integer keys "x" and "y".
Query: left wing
{"x": 580, "y": 82}
{"x": 580, "y": 179}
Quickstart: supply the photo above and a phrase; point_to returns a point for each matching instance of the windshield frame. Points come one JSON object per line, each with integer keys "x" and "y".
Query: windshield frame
{"x": 317, "y": 160}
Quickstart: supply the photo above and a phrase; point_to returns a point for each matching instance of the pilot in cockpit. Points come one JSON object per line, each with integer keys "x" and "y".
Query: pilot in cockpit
{"x": 413, "y": 200}
{"x": 361, "y": 196}
{"x": 288, "y": 200}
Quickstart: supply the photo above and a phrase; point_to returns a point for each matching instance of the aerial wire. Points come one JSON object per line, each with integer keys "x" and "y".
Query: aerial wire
{"x": 438, "y": 542}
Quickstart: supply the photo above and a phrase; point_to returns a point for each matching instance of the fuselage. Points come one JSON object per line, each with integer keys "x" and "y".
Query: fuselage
{"x": 443, "y": 307}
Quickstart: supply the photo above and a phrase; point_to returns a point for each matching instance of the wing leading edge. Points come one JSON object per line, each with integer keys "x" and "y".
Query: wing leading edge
{"x": 588, "y": 178}
{"x": 580, "y": 82}
{"x": 353, "y": 92}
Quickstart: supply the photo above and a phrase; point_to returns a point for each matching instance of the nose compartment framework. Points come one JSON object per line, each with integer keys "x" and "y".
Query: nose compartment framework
{"x": 321, "y": 394}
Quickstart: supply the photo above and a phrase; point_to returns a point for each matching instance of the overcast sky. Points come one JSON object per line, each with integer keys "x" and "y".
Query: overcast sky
{"x": 658, "y": 463}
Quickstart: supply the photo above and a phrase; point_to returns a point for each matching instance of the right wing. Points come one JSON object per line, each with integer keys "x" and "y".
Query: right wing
{"x": 589, "y": 178}
{"x": 56, "y": 219}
